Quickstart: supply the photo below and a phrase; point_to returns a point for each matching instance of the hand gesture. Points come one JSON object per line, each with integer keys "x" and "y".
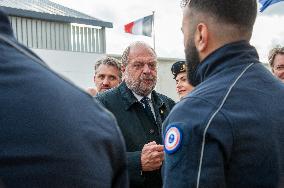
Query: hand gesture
{"x": 152, "y": 156}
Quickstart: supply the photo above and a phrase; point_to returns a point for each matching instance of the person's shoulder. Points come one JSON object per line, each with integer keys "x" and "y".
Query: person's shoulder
{"x": 191, "y": 110}
{"x": 108, "y": 95}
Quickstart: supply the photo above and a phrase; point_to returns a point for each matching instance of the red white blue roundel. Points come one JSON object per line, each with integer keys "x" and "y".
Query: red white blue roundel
{"x": 173, "y": 139}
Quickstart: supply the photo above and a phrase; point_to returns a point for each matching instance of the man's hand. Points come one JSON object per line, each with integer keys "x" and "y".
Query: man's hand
{"x": 152, "y": 156}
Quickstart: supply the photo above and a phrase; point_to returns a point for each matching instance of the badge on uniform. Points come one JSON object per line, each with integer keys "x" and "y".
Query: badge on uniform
{"x": 173, "y": 138}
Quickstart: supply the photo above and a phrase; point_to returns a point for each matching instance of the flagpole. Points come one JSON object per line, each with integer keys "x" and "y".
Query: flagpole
{"x": 153, "y": 32}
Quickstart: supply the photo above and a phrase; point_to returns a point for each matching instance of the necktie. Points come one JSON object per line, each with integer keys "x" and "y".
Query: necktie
{"x": 147, "y": 108}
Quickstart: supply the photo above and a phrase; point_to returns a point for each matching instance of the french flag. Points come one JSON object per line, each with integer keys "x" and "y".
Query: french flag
{"x": 142, "y": 26}
{"x": 267, "y": 3}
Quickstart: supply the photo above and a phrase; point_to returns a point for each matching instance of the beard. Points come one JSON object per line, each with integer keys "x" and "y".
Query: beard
{"x": 192, "y": 61}
{"x": 142, "y": 86}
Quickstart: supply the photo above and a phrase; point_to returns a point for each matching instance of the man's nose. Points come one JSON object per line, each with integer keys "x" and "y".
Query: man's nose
{"x": 106, "y": 81}
{"x": 146, "y": 68}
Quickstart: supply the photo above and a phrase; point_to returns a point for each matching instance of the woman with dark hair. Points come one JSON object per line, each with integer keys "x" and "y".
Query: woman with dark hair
{"x": 183, "y": 87}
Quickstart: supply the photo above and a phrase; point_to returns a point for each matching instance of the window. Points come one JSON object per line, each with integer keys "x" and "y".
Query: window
{"x": 43, "y": 34}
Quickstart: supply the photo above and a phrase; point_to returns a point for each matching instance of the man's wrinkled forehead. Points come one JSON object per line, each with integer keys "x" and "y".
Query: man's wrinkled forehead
{"x": 141, "y": 50}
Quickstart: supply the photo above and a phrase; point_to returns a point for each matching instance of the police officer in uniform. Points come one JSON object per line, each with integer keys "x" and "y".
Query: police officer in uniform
{"x": 229, "y": 131}
{"x": 52, "y": 134}
{"x": 183, "y": 87}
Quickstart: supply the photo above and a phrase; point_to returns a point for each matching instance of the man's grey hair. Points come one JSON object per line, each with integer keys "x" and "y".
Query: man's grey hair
{"x": 109, "y": 61}
{"x": 273, "y": 52}
{"x": 125, "y": 54}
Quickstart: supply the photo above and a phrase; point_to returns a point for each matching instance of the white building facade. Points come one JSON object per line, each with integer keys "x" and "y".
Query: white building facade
{"x": 70, "y": 42}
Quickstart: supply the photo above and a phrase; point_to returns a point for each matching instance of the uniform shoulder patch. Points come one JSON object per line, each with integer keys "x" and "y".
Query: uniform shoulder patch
{"x": 173, "y": 139}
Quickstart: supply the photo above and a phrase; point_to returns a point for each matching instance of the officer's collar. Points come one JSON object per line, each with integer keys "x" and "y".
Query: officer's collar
{"x": 231, "y": 54}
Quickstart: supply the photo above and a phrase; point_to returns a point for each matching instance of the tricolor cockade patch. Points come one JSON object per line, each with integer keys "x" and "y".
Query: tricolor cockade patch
{"x": 173, "y": 139}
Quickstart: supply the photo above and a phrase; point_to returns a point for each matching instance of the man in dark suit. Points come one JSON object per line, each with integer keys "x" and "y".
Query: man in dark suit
{"x": 140, "y": 112}
{"x": 52, "y": 134}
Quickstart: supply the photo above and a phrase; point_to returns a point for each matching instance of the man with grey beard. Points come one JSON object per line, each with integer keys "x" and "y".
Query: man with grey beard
{"x": 140, "y": 111}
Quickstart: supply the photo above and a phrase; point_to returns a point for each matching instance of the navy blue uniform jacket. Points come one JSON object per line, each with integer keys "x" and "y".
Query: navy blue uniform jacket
{"x": 52, "y": 134}
{"x": 232, "y": 125}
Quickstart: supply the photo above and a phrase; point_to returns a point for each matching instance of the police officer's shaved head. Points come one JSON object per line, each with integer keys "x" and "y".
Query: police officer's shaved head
{"x": 241, "y": 14}
{"x": 210, "y": 24}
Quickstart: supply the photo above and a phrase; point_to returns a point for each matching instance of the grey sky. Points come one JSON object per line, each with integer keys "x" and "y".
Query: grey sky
{"x": 268, "y": 30}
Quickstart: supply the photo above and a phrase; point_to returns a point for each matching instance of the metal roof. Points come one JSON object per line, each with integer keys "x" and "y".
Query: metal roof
{"x": 47, "y": 10}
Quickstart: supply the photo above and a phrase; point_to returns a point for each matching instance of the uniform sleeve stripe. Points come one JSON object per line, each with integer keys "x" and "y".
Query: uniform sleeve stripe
{"x": 210, "y": 120}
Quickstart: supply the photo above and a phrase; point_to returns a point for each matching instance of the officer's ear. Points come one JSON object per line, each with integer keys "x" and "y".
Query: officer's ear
{"x": 201, "y": 37}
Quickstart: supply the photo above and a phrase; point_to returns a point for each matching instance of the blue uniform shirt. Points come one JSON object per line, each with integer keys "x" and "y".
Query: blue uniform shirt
{"x": 229, "y": 132}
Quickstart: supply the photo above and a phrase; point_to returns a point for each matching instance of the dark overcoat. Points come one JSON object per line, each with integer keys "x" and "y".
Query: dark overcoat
{"x": 136, "y": 128}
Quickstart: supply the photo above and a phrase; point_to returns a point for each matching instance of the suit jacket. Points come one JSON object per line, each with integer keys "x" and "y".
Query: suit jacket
{"x": 136, "y": 128}
{"x": 52, "y": 134}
